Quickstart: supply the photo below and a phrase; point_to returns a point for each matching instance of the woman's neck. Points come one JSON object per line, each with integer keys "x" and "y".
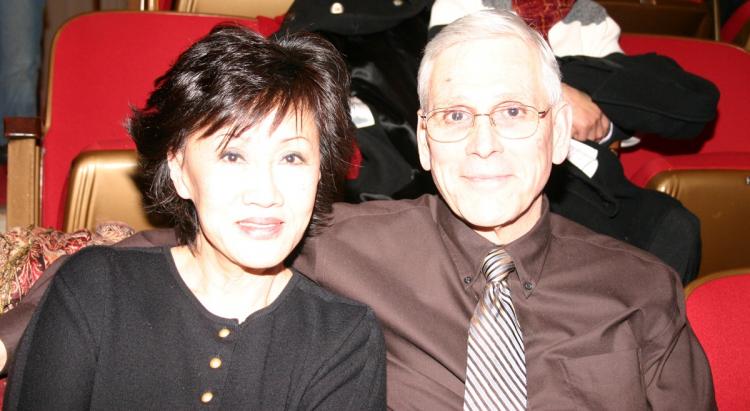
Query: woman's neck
{"x": 226, "y": 289}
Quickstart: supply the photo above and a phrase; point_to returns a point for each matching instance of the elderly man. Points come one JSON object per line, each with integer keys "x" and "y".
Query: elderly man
{"x": 602, "y": 324}
{"x": 487, "y": 300}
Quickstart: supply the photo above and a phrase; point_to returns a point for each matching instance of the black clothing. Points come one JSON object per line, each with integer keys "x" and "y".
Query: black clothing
{"x": 382, "y": 44}
{"x": 354, "y": 17}
{"x": 646, "y": 93}
{"x": 610, "y": 204}
{"x": 119, "y": 329}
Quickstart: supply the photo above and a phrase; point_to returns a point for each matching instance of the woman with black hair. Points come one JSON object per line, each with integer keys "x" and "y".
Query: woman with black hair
{"x": 242, "y": 145}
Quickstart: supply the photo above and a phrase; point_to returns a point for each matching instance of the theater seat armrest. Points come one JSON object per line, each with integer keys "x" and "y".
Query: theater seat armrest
{"x": 24, "y": 175}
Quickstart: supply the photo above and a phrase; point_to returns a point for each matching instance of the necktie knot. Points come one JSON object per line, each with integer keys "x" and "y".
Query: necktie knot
{"x": 497, "y": 265}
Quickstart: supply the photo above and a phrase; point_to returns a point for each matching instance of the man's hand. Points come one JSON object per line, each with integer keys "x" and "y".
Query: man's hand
{"x": 589, "y": 123}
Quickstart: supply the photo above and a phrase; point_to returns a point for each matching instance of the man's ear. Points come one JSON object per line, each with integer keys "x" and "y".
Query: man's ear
{"x": 180, "y": 179}
{"x": 561, "y": 132}
{"x": 422, "y": 143}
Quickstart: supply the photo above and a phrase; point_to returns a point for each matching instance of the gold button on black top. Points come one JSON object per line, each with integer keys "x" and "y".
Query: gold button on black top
{"x": 215, "y": 362}
{"x": 337, "y": 8}
{"x": 224, "y": 333}
{"x": 207, "y": 397}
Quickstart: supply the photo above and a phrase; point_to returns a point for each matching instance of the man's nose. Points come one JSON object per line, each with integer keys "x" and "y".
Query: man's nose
{"x": 483, "y": 140}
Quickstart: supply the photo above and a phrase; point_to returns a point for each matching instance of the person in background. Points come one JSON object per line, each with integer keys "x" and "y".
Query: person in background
{"x": 21, "y": 23}
{"x": 242, "y": 144}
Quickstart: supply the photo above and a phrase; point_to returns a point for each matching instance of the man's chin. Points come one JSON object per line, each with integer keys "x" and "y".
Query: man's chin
{"x": 486, "y": 222}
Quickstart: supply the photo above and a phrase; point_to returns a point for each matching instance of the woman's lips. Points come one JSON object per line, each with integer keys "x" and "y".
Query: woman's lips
{"x": 261, "y": 228}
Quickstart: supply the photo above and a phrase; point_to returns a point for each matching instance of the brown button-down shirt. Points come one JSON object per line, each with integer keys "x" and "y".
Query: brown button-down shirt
{"x": 603, "y": 323}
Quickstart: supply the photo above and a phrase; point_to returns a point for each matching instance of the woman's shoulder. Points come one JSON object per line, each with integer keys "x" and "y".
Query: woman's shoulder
{"x": 96, "y": 263}
{"x": 324, "y": 297}
{"x": 97, "y": 255}
{"x": 329, "y": 310}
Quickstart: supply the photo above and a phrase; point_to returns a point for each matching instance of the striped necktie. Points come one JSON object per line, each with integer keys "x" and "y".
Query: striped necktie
{"x": 496, "y": 364}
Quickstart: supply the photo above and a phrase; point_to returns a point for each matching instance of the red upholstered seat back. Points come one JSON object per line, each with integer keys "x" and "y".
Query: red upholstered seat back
{"x": 102, "y": 63}
{"x": 734, "y": 160}
{"x": 736, "y": 22}
{"x": 728, "y": 67}
{"x": 720, "y": 316}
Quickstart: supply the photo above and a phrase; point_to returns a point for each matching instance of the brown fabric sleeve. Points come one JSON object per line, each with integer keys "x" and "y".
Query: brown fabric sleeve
{"x": 677, "y": 372}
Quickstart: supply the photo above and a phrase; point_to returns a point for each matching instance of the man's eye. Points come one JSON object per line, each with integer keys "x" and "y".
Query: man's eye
{"x": 513, "y": 112}
{"x": 455, "y": 116}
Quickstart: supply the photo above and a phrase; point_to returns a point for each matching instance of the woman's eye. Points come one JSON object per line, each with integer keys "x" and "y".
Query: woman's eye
{"x": 292, "y": 159}
{"x": 230, "y": 157}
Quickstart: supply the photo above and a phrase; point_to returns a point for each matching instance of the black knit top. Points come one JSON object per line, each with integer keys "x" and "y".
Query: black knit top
{"x": 119, "y": 329}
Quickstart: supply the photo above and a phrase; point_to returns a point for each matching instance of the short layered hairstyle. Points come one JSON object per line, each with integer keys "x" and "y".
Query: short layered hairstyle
{"x": 233, "y": 78}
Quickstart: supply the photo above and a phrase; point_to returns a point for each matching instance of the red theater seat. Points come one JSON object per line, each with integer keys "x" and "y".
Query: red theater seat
{"x": 102, "y": 64}
{"x": 710, "y": 174}
{"x": 736, "y": 23}
{"x": 728, "y": 67}
{"x": 719, "y": 314}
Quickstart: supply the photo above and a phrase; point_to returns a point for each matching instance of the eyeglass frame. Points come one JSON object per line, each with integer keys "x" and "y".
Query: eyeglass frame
{"x": 540, "y": 114}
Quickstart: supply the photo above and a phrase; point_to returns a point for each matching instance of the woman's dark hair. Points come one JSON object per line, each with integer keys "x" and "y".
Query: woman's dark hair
{"x": 234, "y": 78}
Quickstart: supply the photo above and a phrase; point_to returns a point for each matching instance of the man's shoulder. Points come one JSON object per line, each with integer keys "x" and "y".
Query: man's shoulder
{"x": 620, "y": 275}
{"x": 150, "y": 238}
{"x": 582, "y": 243}
{"x": 344, "y": 213}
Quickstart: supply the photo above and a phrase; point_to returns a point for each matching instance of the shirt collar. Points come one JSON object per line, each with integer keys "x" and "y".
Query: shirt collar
{"x": 528, "y": 252}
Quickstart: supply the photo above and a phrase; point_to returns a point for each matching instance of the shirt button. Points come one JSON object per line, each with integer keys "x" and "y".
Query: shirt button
{"x": 215, "y": 362}
{"x": 224, "y": 333}
{"x": 467, "y": 280}
{"x": 207, "y": 397}
{"x": 337, "y": 8}
{"x": 527, "y": 285}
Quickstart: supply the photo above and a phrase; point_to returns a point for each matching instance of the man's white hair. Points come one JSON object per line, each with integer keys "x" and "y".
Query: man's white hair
{"x": 488, "y": 25}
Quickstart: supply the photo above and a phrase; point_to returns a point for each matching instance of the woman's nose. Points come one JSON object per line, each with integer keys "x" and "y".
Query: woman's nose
{"x": 259, "y": 187}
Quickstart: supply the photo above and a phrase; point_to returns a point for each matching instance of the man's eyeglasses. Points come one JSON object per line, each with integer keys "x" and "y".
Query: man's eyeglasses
{"x": 510, "y": 119}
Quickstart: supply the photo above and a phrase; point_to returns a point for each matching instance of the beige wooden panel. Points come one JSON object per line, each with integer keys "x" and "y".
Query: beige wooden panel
{"x": 244, "y": 8}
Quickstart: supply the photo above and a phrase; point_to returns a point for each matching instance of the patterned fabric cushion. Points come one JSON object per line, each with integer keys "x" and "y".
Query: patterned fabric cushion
{"x": 26, "y": 252}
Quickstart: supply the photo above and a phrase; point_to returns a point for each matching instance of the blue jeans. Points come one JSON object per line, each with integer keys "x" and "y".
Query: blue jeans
{"x": 21, "y": 24}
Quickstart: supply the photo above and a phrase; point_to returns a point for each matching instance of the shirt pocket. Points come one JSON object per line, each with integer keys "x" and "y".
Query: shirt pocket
{"x": 610, "y": 381}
